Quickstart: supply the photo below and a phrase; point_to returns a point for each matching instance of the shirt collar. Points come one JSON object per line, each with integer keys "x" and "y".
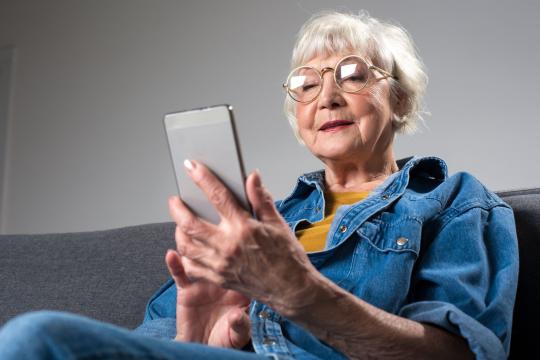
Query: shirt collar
{"x": 430, "y": 167}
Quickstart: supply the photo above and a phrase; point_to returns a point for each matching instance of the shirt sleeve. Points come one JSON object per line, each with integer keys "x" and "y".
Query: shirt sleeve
{"x": 163, "y": 303}
{"x": 465, "y": 280}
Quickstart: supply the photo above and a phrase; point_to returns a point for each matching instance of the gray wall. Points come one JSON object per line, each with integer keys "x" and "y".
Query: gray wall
{"x": 87, "y": 149}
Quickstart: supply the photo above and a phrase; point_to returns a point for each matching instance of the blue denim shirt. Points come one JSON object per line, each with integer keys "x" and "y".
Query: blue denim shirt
{"x": 428, "y": 247}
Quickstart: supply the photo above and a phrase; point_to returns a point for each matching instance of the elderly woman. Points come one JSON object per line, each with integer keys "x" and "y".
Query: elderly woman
{"x": 368, "y": 258}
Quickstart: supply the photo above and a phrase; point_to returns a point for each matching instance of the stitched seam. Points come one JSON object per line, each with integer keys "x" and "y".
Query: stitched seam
{"x": 386, "y": 250}
{"x": 448, "y": 216}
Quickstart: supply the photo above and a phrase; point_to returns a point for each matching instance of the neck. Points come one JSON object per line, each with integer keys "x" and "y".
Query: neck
{"x": 359, "y": 174}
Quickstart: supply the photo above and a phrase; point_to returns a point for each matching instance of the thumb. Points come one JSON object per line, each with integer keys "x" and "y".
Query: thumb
{"x": 240, "y": 328}
{"x": 260, "y": 199}
{"x": 176, "y": 269}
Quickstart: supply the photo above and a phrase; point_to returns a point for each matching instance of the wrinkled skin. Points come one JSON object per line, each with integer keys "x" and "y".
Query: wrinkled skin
{"x": 218, "y": 268}
{"x": 207, "y": 313}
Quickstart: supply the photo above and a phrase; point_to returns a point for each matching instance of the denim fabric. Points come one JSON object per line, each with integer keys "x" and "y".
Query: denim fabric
{"x": 160, "y": 328}
{"x": 55, "y": 335}
{"x": 444, "y": 247}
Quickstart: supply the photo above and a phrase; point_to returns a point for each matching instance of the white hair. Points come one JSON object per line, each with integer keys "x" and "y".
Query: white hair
{"x": 386, "y": 45}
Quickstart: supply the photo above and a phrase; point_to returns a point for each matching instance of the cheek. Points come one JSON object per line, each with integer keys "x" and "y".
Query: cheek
{"x": 379, "y": 99}
{"x": 376, "y": 113}
{"x": 304, "y": 115}
{"x": 362, "y": 104}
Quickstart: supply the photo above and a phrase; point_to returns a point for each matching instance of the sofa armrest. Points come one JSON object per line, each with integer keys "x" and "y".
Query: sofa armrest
{"x": 107, "y": 275}
{"x": 526, "y": 205}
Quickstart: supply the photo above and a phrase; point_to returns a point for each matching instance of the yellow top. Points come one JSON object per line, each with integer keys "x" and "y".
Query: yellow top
{"x": 313, "y": 236}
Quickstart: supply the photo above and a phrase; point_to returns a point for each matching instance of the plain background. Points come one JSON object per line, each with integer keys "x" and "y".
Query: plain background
{"x": 86, "y": 148}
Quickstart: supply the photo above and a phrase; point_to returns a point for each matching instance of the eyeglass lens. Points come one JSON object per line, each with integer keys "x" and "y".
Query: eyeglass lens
{"x": 351, "y": 75}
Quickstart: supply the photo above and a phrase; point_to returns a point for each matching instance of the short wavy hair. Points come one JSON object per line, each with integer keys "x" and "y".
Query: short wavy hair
{"x": 386, "y": 45}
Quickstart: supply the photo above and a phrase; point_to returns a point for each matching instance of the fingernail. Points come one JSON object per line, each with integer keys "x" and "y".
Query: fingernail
{"x": 258, "y": 178}
{"x": 189, "y": 165}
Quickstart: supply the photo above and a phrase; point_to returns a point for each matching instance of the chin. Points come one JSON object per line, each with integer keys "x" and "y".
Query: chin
{"x": 341, "y": 149}
{"x": 336, "y": 154}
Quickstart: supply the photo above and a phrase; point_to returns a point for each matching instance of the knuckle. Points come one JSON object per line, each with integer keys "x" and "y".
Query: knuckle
{"x": 191, "y": 270}
{"x": 218, "y": 195}
{"x": 183, "y": 249}
{"x": 266, "y": 197}
{"x": 222, "y": 266}
{"x": 247, "y": 229}
{"x": 189, "y": 225}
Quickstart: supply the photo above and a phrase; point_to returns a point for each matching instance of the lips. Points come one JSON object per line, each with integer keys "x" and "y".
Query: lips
{"x": 334, "y": 124}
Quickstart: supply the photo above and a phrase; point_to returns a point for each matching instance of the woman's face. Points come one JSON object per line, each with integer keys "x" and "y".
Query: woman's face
{"x": 340, "y": 126}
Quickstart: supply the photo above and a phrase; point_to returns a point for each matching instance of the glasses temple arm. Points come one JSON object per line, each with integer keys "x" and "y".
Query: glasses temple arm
{"x": 382, "y": 71}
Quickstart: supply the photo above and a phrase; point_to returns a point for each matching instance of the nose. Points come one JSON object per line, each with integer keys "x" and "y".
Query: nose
{"x": 331, "y": 96}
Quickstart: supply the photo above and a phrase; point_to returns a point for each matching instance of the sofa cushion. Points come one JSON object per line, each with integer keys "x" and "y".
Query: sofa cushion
{"x": 107, "y": 275}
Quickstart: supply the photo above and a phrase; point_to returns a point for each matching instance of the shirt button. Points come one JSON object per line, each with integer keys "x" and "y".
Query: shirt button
{"x": 402, "y": 241}
{"x": 264, "y": 315}
{"x": 317, "y": 209}
{"x": 385, "y": 197}
{"x": 268, "y": 341}
{"x": 343, "y": 228}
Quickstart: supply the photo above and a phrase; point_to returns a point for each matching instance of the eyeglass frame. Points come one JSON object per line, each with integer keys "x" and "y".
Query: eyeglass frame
{"x": 328, "y": 68}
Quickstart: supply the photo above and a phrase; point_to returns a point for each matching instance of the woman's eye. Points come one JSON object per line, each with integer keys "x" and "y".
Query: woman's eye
{"x": 356, "y": 78}
{"x": 308, "y": 87}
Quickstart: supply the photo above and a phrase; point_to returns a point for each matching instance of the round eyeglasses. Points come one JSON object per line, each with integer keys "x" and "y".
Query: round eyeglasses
{"x": 351, "y": 75}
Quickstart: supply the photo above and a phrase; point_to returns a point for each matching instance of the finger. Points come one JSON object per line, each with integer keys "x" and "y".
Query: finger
{"x": 219, "y": 195}
{"x": 188, "y": 222}
{"x": 196, "y": 271}
{"x": 261, "y": 199}
{"x": 240, "y": 327}
{"x": 199, "y": 260}
{"x": 176, "y": 269}
{"x": 191, "y": 249}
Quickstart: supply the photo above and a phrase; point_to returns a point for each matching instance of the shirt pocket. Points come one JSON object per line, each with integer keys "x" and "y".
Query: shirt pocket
{"x": 389, "y": 232}
{"x": 384, "y": 260}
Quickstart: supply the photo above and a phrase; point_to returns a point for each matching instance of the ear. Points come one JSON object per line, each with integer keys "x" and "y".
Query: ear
{"x": 400, "y": 101}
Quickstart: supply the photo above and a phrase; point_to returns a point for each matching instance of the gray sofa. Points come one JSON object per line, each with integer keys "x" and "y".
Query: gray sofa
{"x": 110, "y": 275}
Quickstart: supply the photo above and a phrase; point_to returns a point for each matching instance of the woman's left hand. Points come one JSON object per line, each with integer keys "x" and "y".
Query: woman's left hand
{"x": 260, "y": 258}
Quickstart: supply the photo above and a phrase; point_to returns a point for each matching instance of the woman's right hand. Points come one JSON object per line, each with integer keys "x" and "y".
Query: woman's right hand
{"x": 206, "y": 313}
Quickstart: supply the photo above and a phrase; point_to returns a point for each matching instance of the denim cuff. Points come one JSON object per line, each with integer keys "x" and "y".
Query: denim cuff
{"x": 482, "y": 341}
